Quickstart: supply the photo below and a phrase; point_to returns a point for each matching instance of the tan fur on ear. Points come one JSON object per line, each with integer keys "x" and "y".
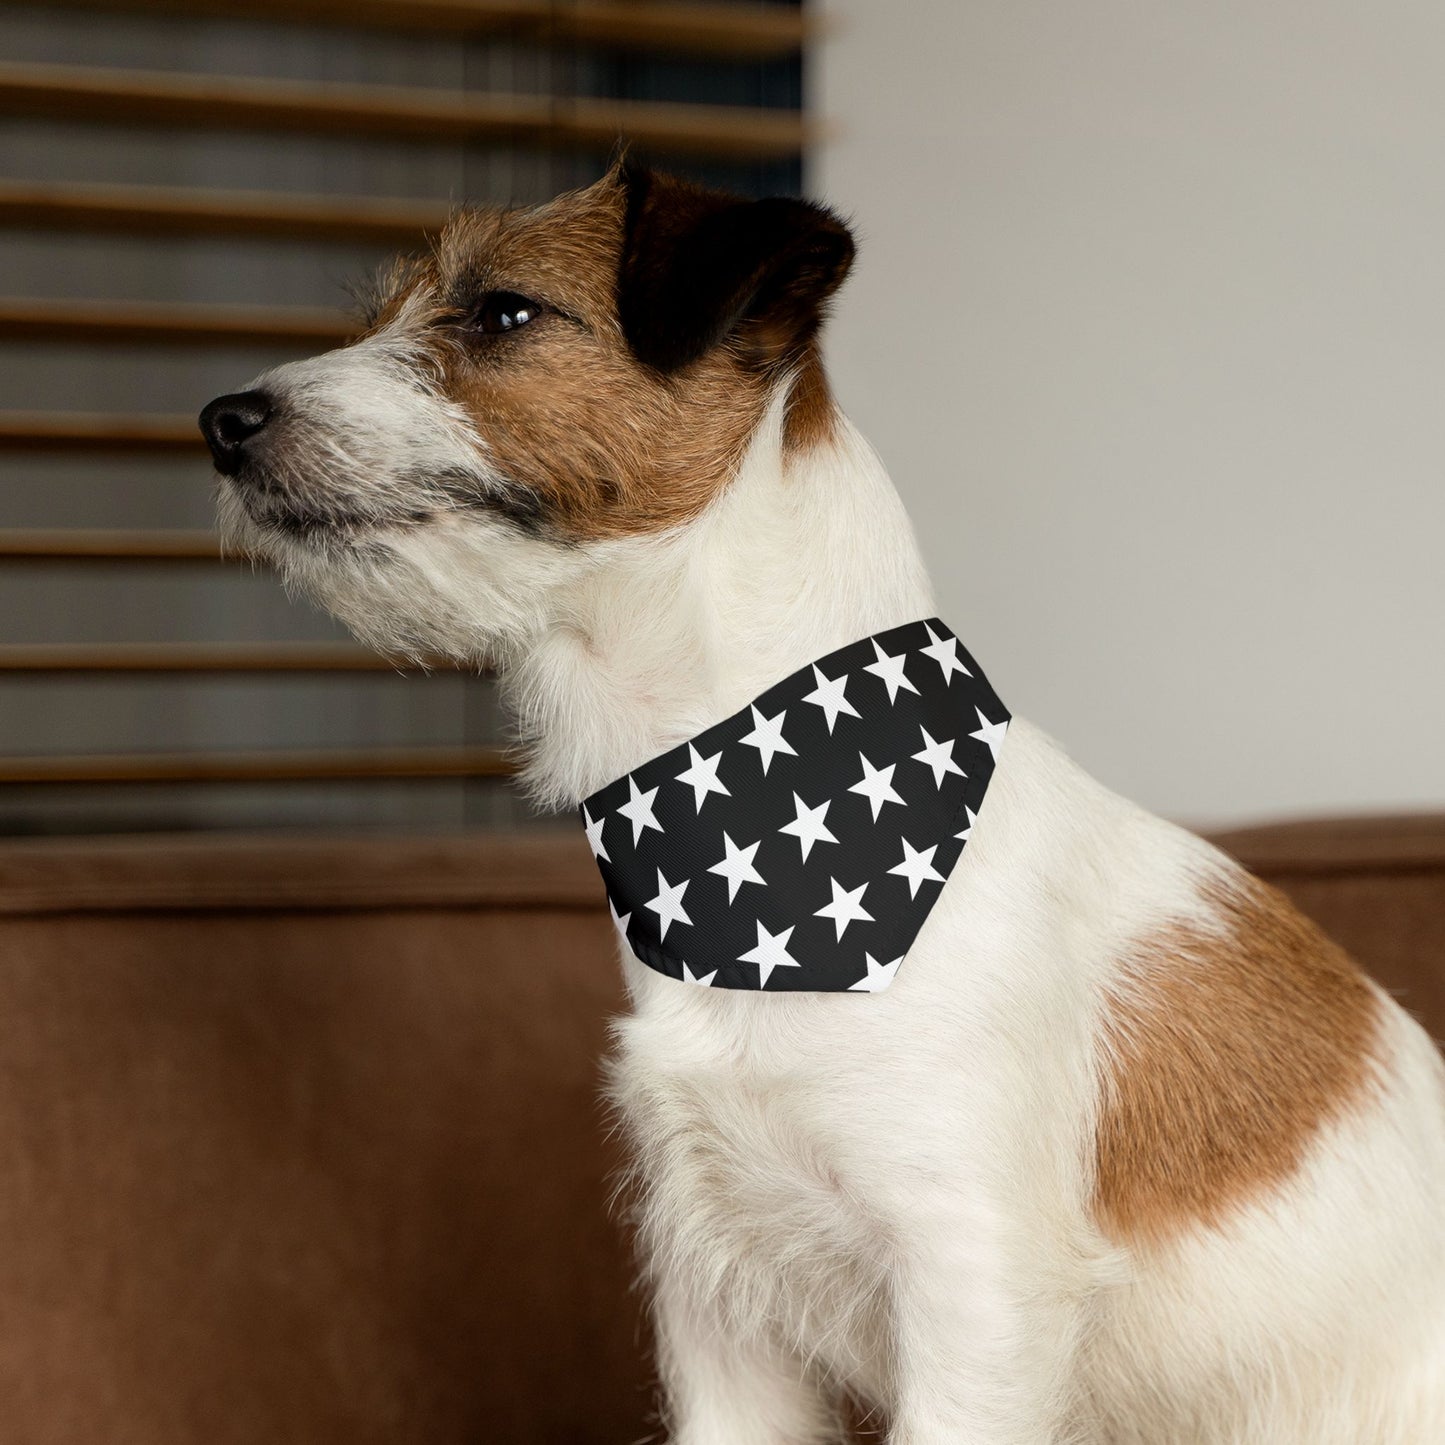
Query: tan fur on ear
{"x": 811, "y": 418}
{"x": 1227, "y": 1053}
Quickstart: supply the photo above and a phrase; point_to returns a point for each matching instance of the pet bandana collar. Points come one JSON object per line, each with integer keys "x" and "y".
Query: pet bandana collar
{"x": 800, "y": 843}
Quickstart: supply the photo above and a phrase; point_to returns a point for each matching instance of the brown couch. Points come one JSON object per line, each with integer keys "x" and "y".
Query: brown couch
{"x": 302, "y": 1140}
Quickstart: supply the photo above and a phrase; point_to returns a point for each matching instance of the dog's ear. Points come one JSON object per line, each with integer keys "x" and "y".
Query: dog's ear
{"x": 700, "y": 266}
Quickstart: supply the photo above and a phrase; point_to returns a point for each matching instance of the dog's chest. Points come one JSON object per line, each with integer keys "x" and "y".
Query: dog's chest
{"x": 745, "y": 1184}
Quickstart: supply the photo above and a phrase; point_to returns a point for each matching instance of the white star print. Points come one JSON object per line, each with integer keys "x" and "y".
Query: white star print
{"x": 593, "y": 827}
{"x": 639, "y": 808}
{"x": 890, "y": 669}
{"x": 619, "y": 920}
{"x": 879, "y": 976}
{"x": 829, "y": 696}
{"x": 990, "y": 733}
{"x": 876, "y": 785}
{"x": 668, "y": 904}
{"x": 846, "y": 907}
{"x": 917, "y": 867}
{"x": 702, "y": 776}
{"x": 771, "y": 952}
{"x": 939, "y": 757}
{"x": 808, "y": 827}
{"x": 944, "y": 651}
{"x": 737, "y": 866}
{"x": 749, "y": 805}
{"x": 767, "y": 737}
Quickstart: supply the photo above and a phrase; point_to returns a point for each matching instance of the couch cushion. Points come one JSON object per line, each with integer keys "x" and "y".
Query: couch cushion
{"x": 302, "y": 1143}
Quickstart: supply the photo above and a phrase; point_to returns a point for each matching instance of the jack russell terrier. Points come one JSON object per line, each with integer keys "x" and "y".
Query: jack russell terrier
{"x": 1058, "y": 1128}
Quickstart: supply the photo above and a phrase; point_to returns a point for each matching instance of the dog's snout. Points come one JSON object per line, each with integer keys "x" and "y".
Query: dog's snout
{"x": 229, "y": 422}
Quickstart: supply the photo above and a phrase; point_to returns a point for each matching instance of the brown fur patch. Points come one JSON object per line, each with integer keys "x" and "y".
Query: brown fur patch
{"x": 812, "y": 415}
{"x": 1227, "y": 1052}
{"x": 595, "y": 442}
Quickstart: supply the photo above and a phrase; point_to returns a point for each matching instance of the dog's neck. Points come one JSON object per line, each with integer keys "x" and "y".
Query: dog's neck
{"x": 803, "y": 553}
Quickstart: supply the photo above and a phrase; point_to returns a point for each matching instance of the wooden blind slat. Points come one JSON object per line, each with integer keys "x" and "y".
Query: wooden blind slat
{"x": 173, "y": 211}
{"x": 329, "y": 765}
{"x": 77, "y": 431}
{"x": 186, "y": 657}
{"x": 762, "y": 32}
{"x": 171, "y": 323}
{"x": 755, "y": 32}
{"x": 220, "y": 102}
{"x": 81, "y": 544}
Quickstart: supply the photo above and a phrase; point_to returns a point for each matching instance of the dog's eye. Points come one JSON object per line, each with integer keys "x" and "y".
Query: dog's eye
{"x": 504, "y": 311}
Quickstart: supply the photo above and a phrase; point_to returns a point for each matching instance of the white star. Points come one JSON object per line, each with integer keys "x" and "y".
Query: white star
{"x": 688, "y": 976}
{"x": 808, "y": 827}
{"x": 890, "y": 669}
{"x": 880, "y": 975}
{"x": 944, "y": 651}
{"x": 737, "y": 866}
{"x": 668, "y": 904}
{"x": 593, "y": 827}
{"x": 917, "y": 867}
{"x": 846, "y": 907}
{"x": 968, "y": 831}
{"x": 767, "y": 737}
{"x": 939, "y": 757}
{"x": 990, "y": 733}
{"x": 876, "y": 785}
{"x": 771, "y": 952}
{"x": 639, "y": 808}
{"x": 620, "y": 920}
{"x": 702, "y": 776}
{"x": 829, "y": 696}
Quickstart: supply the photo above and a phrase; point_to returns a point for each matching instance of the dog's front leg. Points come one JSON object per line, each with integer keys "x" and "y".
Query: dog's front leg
{"x": 984, "y": 1337}
{"x": 723, "y": 1387}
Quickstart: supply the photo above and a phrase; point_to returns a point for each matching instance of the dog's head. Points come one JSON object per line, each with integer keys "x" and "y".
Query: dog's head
{"x": 544, "y": 383}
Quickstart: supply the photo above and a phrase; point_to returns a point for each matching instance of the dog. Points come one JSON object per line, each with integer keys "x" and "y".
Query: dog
{"x": 1128, "y": 1152}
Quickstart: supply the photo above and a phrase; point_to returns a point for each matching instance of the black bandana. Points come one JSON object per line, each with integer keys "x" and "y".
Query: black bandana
{"x": 800, "y": 843}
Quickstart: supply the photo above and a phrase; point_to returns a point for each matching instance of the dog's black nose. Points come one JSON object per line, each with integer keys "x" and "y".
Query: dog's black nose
{"x": 229, "y": 422}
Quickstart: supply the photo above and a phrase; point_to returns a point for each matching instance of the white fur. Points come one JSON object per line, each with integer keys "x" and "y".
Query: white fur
{"x": 889, "y": 1193}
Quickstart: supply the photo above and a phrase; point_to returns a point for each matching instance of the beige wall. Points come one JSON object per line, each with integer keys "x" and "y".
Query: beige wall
{"x": 1149, "y": 323}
